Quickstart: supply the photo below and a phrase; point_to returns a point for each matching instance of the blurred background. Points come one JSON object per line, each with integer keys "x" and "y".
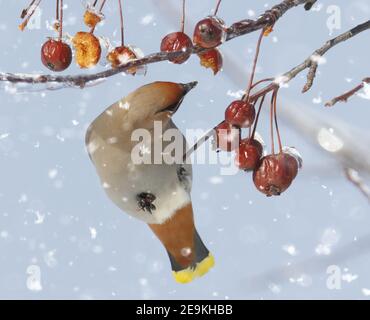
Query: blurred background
{"x": 60, "y": 236}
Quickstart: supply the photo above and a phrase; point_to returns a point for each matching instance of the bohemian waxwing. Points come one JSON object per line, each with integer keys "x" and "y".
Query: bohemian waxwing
{"x": 152, "y": 190}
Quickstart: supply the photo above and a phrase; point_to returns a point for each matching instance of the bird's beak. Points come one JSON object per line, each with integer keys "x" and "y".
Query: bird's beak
{"x": 188, "y": 86}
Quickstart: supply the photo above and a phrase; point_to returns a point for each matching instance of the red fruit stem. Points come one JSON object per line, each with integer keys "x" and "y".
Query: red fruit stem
{"x": 257, "y": 117}
{"x": 250, "y": 84}
{"x": 276, "y": 122}
{"x": 61, "y": 20}
{"x": 122, "y": 23}
{"x": 102, "y": 6}
{"x": 272, "y": 123}
{"x": 183, "y": 16}
{"x": 57, "y": 11}
{"x": 95, "y": 2}
{"x": 100, "y": 10}
{"x": 261, "y": 81}
{"x": 217, "y": 7}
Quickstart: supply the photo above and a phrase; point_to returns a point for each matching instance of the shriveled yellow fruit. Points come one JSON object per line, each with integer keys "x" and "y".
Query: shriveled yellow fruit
{"x": 91, "y": 18}
{"x": 88, "y": 49}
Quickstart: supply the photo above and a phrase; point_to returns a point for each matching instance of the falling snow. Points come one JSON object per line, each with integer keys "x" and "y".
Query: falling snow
{"x": 61, "y": 237}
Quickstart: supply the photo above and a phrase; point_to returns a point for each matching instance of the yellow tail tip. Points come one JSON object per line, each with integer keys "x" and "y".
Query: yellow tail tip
{"x": 204, "y": 266}
{"x": 189, "y": 274}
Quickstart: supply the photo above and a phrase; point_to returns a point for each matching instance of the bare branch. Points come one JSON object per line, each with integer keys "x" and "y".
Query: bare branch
{"x": 311, "y": 62}
{"x": 344, "y": 97}
{"x": 316, "y": 55}
{"x": 310, "y": 77}
{"x": 237, "y": 29}
{"x": 354, "y": 177}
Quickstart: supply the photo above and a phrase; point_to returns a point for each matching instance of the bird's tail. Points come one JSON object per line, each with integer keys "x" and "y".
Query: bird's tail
{"x": 188, "y": 255}
{"x": 203, "y": 261}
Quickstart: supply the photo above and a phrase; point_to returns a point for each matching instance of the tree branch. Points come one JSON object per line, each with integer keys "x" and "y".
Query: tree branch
{"x": 311, "y": 62}
{"x": 344, "y": 97}
{"x": 237, "y": 29}
{"x": 354, "y": 177}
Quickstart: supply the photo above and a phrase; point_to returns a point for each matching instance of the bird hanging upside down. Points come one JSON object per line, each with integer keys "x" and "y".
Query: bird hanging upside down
{"x": 156, "y": 193}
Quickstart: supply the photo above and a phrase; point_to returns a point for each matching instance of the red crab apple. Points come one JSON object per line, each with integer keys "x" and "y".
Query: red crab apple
{"x": 275, "y": 173}
{"x": 209, "y": 32}
{"x": 177, "y": 41}
{"x": 227, "y": 136}
{"x": 56, "y": 55}
{"x": 249, "y": 154}
{"x": 240, "y": 114}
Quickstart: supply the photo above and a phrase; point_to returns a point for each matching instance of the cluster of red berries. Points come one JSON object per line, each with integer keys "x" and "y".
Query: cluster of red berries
{"x": 56, "y": 54}
{"x": 273, "y": 173}
{"x": 208, "y": 34}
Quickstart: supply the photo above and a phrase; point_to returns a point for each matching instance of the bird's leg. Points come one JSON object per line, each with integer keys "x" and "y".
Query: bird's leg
{"x": 145, "y": 201}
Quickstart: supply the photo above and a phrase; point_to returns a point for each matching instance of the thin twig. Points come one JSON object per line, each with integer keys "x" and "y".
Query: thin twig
{"x": 310, "y": 77}
{"x": 237, "y": 29}
{"x": 61, "y": 20}
{"x": 182, "y": 25}
{"x": 25, "y": 11}
{"x": 344, "y": 97}
{"x": 257, "y": 117}
{"x": 311, "y": 60}
{"x": 354, "y": 177}
{"x": 57, "y": 11}
{"x": 30, "y": 14}
{"x": 251, "y": 78}
{"x": 217, "y": 7}
{"x": 315, "y": 56}
{"x": 276, "y": 120}
{"x": 272, "y": 123}
{"x": 100, "y": 11}
{"x": 122, "y": 23}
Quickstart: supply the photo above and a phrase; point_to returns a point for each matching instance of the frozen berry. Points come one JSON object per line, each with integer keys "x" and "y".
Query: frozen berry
{"x": 227, "y": 137}
{"x": 209, "y": 32}
{"x": 211, "y": 59}
{"x": 91, "y": 18}
{"x": 275, "y": 173}
{"x": 88, "y": 49}
{"x": 56, "y": 55}
{"x": 240, "y": 114}
{"x": 177, "y": 41}
{"x": 249, "y": 154}
{"x": 121, "y": 55}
